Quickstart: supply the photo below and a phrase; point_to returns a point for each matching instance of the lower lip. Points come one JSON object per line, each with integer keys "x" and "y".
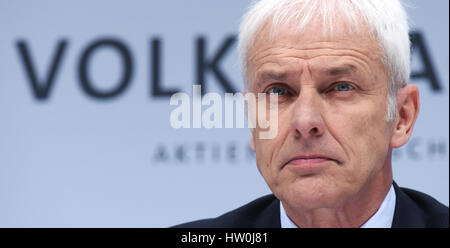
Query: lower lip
{"x": 309, "y": 166}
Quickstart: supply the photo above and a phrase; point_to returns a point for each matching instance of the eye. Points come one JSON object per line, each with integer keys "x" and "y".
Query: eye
{"x": 277, "y": 91}
{"x": 343, "y": 87}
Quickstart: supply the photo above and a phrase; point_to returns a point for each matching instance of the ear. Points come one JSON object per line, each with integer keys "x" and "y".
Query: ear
{"x": 407, "y": 111}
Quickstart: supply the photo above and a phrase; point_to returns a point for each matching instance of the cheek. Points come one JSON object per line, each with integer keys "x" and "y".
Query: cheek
{"x": 364, "y": 136}
{"x": 264, "y": 150}
{"x": 374, "y": 130}
{"x": 268, "y": 150}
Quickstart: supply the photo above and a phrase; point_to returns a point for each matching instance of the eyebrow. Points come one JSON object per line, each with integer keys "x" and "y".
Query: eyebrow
{"x": 276, "y": 75}
{"x": 330, "y": 71}
{"x": 340, "y": 70}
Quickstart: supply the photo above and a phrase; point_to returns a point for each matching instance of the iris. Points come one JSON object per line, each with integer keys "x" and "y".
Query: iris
{"x": 277, "y": 91}
{"x": 343, "y": 87}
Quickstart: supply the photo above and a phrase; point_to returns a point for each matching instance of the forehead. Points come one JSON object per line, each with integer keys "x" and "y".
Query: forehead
{"x": 288, "y": 39}
{"x": 283, "y": 49}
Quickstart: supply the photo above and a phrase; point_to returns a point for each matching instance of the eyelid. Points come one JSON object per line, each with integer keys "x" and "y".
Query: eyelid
{"x": 279, "y": 85}
{"x": 290, "y": 91}
{"x": 333, "y": 86}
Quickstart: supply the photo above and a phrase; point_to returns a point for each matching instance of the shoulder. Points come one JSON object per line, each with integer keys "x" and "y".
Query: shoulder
{"x": 416, "y": 209}
{"x": 262, "y": 212}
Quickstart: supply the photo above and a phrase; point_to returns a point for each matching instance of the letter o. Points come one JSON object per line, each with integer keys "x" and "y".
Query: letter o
{"x": 127, "y": 66}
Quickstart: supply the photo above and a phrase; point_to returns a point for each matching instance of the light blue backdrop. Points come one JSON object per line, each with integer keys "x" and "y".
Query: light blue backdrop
{"x": 72, "y": 160}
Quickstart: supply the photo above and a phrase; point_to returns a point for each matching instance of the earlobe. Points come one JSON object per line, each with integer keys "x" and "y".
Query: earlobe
{"x": 407, "y": 111}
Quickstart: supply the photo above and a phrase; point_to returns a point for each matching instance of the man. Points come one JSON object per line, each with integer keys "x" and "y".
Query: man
{"x": 339, "y": 69}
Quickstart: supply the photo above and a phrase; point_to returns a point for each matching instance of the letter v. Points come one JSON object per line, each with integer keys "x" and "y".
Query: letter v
{"x": 41, "y": 89}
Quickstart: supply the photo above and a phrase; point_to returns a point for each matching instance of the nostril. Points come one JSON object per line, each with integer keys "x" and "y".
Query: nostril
{"x": 314, "y": 130}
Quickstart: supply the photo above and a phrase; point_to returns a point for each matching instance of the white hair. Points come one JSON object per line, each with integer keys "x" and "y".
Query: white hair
{"x": 385, "y": 19}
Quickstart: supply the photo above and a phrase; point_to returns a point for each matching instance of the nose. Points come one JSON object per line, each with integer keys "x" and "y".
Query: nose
{"x": 307, "y": 121}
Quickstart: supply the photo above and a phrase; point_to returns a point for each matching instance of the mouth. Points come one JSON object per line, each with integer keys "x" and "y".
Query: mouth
{"x": 310, "y": 163}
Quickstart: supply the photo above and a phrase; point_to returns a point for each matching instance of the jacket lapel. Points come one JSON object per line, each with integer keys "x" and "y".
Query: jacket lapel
{"x": 406, "y": 211}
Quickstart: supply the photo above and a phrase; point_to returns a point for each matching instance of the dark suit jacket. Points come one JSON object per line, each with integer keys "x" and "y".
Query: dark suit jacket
{"x": 412, "y": 209}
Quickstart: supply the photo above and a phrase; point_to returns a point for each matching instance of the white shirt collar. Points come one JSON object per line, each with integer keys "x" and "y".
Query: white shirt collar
{"x": 381, "y": 219}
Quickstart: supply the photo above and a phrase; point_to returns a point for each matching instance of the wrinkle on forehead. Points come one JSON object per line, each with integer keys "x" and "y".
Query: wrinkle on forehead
{"x": 311, "y": 43}
{"x": 282, "y": 61}
{"x": 311, "y": 52}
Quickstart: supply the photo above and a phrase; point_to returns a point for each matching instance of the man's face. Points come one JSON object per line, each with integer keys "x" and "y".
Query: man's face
{"x": 333, "y": 138}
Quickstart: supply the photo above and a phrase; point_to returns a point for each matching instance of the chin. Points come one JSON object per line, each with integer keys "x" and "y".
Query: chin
{"x": 311, "y": 194}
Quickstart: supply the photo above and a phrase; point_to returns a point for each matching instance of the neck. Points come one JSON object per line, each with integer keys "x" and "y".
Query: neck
{"x": 354, "y": 212}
